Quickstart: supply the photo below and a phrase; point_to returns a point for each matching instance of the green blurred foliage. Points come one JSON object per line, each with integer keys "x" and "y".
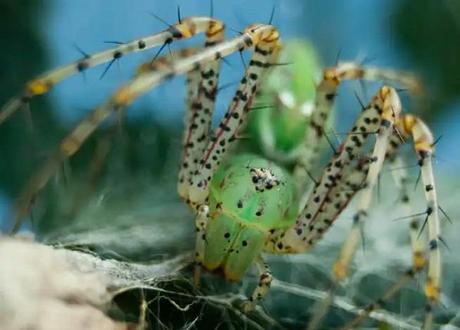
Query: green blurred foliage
{"x": 429, "y": 31}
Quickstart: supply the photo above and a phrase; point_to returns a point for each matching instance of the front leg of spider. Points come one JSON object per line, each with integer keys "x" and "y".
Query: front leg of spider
{"x": 201, "y": 222}
{"x": 184, "y": 29}
{"x": 127, "y": 94}
{"x": 265, "y": 280}
{"x": 411, "y": 126}
{"x": 264, "y": 44}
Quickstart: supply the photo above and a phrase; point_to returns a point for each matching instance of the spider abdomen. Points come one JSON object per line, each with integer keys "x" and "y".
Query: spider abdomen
{"x": 250, "y": 196}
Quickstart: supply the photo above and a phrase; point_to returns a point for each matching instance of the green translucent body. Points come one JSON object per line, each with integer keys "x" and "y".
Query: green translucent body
{"x": 294, "y": 81}
{"x": 241, "y": 216}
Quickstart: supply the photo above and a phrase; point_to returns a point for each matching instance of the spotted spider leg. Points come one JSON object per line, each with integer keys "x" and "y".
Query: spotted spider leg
{"x": 265, "y": 48}
{"x": 391, "y": 108}
{"x": 342, "y": 196}
{"x": 302, "y": 235}
{"x": 39, "y": 180}
{"x": 201, "y": 92}
{"x": 391, "y": 111}
{"x": 408, "y": 276}
{"x": 326, "y": 91}
{"x": 124, "y": 96}
{"x": 410, "y": 125}
{"x": 400, "y": 177}
{"x": 424, "y": 149}
{"x": 362, "y": 177}
{"x": 352, "y": 178}
{"x": 199, "y": 115}
{"x": 265, "y": 280}
{"x": 418, "y": 248}
{"x": 201, "y": 222}
{"x": 184, "y": 29}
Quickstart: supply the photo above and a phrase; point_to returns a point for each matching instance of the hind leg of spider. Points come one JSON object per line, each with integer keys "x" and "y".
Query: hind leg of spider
{"x": 398, "y": 168}
{"x": 419, "y": 262}
{"x": 424, "y": 148}
{"x": 422, "y": 137}
{"x": 265, "y": 280}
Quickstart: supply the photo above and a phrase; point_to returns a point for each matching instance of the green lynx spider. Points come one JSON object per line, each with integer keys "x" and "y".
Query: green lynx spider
{"x": 247, "y": 204}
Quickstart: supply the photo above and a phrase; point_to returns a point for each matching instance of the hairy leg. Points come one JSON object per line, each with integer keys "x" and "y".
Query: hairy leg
{"x": 326, "y": 92}
{"x": 265, "y": 280}
{"x": 201, "y": 222}
{"x": 254, "y": 36}
{"x": 185, "y": 29}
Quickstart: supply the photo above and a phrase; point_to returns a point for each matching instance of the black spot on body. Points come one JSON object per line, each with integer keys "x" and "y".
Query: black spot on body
{"x": 82, "y": 65}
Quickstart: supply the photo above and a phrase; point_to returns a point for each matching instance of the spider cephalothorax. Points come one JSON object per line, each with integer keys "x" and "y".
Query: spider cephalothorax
{"x": 247, "y": 204}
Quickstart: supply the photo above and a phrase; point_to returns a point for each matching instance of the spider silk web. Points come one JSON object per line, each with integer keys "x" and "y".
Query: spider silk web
{"x": 133, "y": 220}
